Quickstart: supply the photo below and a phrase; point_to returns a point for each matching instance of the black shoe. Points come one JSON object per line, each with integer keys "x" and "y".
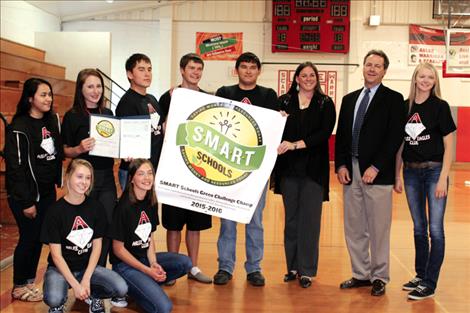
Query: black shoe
{"x": 378, "y": 288}
{"x": 355, "y": 283}
{"x": 291, "y": 275}
{"x": 412, "y": 284}
{"x": 305, "y": 281}
{"x": 421, "y": 292}
{"x": 255, "y": 279}
{"x": 222, "y": 277}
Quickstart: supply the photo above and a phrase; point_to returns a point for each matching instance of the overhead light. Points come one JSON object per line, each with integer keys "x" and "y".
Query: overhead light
{"x": 109, "y": 1}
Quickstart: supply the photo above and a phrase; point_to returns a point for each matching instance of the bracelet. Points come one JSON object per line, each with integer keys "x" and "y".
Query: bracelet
{"x": 295, "y": 145}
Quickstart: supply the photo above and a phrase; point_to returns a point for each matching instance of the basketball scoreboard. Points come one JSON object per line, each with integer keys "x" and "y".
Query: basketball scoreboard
{"x": 310, "y": 26}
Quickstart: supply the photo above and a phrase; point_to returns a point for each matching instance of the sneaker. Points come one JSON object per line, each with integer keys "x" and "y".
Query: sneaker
{"x": 57, "y": 309}
{"x": 412, "y": 284}
{"x": 421, "y": 292}
{"x": 96, "y": 306}
{"x": 256, "y": 279}
{"x": 119, "y": 302}
{"x": 222, "y": 277}
{"x": 200, "y": 277}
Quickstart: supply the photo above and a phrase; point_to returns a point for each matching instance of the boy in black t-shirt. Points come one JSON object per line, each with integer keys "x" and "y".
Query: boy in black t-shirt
{"x": 174, "y": 218}
{"x": 73, "y": 228}
{"x": 136, "y": 102}
{"x": 248, "y": 68}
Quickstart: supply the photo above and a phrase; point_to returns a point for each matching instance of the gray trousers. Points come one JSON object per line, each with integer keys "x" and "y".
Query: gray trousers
{"x": 302, "y": 199}
{"x": 367, "y": 222}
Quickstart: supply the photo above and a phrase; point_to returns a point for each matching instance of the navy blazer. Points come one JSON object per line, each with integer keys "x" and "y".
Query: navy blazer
{"x": 380, "y": 137}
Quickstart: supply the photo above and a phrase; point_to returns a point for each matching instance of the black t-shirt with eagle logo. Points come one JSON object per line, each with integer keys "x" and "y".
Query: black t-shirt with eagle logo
{"x": 74, "y": 227}
{"x": 427, "y": 124}
{"x": 259, "y": 96}
{"x": 42, "y": 141}
{"x": 133, "y": 224}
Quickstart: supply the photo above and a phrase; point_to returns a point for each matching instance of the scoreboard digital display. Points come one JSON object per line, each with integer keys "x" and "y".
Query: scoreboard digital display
{"x": 310, "y": 26}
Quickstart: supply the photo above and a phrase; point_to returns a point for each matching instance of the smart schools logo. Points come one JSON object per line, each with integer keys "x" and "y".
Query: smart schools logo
{"x": 221, "y": 144}
{"x": 105, "y": 128}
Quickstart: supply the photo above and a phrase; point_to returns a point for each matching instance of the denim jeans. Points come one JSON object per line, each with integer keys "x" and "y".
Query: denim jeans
{"x": 420, "y": 184}
{"x": 122, "y": 176}
{"x": 146, "y": 292}
{"x": 28, "y": 250}
{"x": 104, "y": 283}
{"x": 254, "y": 241}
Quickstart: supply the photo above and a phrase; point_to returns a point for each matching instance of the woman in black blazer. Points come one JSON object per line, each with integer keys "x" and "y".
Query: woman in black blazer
{"x": 303, "y": 171}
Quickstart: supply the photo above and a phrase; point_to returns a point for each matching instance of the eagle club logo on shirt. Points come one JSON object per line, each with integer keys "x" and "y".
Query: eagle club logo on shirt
{"x": 143, "y": 230}
{"x": 80, "y": 234}
{"x": 47, "y": 142}
{"x": 245, "y": 100}
{"x": 414, "y": 127}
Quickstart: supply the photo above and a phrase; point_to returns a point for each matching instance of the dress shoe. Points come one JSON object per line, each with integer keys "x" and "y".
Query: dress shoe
{"x": 354, "y": 283}
{"x": 305, "y": 281}
{"x": 291, "y": 275}
{"x": 378, "y": 288}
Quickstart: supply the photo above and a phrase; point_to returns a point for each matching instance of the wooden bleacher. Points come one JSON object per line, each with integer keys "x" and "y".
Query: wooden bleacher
{"x": 19, "y": 62}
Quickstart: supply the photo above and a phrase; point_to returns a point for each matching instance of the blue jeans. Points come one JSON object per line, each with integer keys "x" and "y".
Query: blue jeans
{"x": 420, "y": 184}
{"x": 146, "y": 292}
{"x": 254, "y": 241}
{"x": 122, "y": 176}
{"x": 104, "y": 283}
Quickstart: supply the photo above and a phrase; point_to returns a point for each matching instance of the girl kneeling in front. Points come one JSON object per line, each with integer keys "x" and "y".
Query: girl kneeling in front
{"x": 73, "y": 228}
{"x": 134, "y": 258}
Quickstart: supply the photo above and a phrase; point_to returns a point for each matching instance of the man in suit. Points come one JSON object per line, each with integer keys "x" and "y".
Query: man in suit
{"x": 370, "y": 131}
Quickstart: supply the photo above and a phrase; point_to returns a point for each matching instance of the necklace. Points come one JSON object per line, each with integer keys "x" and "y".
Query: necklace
{"x": 304, "y": 101}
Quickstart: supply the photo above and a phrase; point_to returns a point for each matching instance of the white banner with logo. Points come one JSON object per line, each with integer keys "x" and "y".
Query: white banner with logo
{"x": 217, "y": 154}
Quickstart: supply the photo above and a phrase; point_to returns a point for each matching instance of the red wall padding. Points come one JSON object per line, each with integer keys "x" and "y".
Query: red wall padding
{"x": 462, "y": 153}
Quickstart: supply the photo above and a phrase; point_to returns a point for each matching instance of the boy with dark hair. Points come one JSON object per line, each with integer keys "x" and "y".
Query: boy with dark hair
{"x": 191, "y": 67}
{"x": 174, "y": 218}
{"x": 248, "y": 68}
{"x": 136, "y": 102}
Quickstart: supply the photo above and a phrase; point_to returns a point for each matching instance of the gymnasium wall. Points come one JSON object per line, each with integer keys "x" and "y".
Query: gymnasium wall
{"x": 167, "y": 32}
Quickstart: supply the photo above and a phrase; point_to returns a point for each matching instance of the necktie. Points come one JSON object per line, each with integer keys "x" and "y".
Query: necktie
{"x": 361, "y": 112}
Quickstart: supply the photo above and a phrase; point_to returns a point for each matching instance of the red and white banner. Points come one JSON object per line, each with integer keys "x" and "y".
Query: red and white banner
{"x": 327, "y": 79}
{"x": 429, "y": 45}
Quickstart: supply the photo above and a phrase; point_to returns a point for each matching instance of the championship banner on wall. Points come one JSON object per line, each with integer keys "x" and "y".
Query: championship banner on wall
{"x": 426, "y": 45}
{"x": 219, "y": 46}
{"x": 217, "y": 154}
{"x": 326, "y": 79}
{"x": 429, "y": 45}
